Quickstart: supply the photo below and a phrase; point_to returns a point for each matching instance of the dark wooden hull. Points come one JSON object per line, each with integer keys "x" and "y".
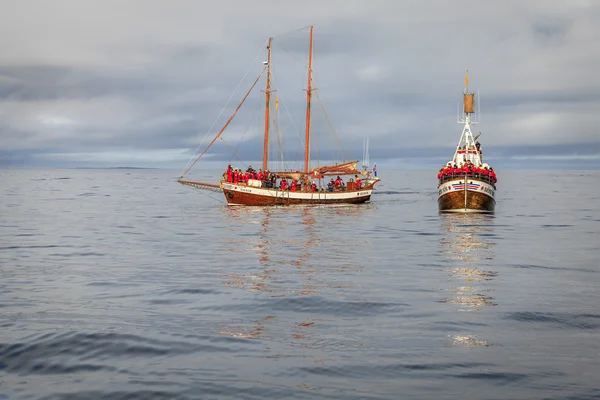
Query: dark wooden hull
{"x": 475, "y": 202}
{"x": 235, "y": 197}
{"x": 479, "y": 198}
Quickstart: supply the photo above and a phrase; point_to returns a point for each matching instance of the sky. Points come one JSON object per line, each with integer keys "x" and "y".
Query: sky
{"x": 143, "y": 83}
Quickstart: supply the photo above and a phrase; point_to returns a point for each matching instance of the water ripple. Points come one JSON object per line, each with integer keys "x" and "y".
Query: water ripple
{"x": 579, "y": 321}
{"x": 126, "y": 285}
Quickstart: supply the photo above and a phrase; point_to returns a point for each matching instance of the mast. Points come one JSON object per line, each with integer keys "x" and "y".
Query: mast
{"x": 308, "y": 97}
{"x": 267, "y": 106}
{"x": 467, "y": 135}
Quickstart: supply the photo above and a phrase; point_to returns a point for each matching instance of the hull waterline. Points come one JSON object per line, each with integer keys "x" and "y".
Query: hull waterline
{"x": 454, "y": 197}
{"x": 239, "y": 195}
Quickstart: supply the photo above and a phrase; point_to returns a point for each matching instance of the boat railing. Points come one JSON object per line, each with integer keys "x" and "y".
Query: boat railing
{"x": 475, "y": 175}
{"x": 349, "y": 187}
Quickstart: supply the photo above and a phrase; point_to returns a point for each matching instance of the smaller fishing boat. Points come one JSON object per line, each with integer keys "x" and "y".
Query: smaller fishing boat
{"x": 465, "y": 183}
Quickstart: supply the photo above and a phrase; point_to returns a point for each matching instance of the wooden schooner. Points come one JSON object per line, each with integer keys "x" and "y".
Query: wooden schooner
{"x": 309, "y": 182}
{"x": 467, "y": 184}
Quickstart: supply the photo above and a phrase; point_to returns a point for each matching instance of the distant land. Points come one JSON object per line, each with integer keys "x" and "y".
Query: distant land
{"x": 114, "y": 168}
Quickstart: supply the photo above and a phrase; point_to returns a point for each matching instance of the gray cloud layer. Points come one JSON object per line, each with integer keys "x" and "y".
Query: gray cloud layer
{"x": 141, "y": 82}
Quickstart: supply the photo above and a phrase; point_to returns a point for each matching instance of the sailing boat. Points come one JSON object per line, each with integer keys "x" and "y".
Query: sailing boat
{"x": 288, "y": 186}
{"x": 467, "y": 184}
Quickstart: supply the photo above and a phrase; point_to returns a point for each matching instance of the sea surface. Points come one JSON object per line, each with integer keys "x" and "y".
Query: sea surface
{"x": 123, "y": 284}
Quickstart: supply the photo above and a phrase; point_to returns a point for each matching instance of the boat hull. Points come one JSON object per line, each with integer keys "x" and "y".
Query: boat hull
{"x": 240, "y": 195}
{"x": 474, "y": 196}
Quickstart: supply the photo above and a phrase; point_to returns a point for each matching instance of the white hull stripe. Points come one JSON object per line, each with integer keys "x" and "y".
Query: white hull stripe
{"x": 285, "y": 194}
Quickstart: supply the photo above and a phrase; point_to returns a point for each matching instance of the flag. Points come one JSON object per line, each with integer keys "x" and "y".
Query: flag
{"x": 467, "y": 79}
{"x": 277, "y": 102}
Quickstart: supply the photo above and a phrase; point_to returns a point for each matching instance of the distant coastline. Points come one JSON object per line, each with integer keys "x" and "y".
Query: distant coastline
{"x": 114, "y": 168}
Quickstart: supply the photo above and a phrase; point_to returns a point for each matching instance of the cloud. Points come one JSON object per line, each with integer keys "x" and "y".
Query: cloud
{"x": 128, "y": 81}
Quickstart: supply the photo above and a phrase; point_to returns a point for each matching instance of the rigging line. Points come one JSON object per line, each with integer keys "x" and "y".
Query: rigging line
{"x": 277, "y": 126}
{"x": 226, "y": 123}
{"x": 335, "y": 136}
{"x": 279, "y": 144}
{"x": 293, "y": 56}
{"x": 226, "y": 104}
{"x": 258, "y": 106}
{"x": 289, "y": 116}
{"x": 290, "y": 32}
{"x": 233, "y": 152}
{"x": 204, "y": 192}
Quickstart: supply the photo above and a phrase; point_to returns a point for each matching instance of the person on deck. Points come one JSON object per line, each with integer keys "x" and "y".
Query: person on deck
{"x": 493, "y": 175}
{"x": 485, "y": 173}
{"x": 358, "y": 182}
{"x": 331, "y": 185}
{"x": 338, "y": 183}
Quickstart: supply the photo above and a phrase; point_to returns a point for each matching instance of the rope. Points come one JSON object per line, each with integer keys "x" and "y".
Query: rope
{"x": 234, "y": 152}
{"x": 290, "y": 32}
{"x": 283, "y": 104}
{"x": 226, "y": 123}
{"x": 335, "y": 136}
{"x": 206, "y": 188}
{"x": 293, "y": 56}
{"x": 223, "y": 109}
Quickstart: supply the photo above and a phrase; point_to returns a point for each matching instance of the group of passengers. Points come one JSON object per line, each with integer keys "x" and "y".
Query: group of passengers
{"x": 296, "y": 186}
{"x": 451, "y": 170}
{"x": 234, "y": 175}
{"x": 338, "y": 184}
{"x": 269, "y": 180}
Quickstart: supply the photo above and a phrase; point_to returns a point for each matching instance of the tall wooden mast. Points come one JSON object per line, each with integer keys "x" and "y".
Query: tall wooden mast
{"x": 267, "y": 106}
{"x": 308, "y": 97}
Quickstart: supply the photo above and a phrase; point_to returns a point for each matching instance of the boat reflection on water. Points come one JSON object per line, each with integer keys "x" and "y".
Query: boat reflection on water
{"x": 468, "y": 245}
{"x": 239, "y": 247}
{"x": 289, "y": 236}
{"x": 287, "y": 252}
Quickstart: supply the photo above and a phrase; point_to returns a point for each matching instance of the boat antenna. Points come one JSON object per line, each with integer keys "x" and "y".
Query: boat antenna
{"x": 365, "y": 163}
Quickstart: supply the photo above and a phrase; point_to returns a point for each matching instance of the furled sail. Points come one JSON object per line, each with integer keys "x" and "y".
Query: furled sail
{"x": 348, "y": 168}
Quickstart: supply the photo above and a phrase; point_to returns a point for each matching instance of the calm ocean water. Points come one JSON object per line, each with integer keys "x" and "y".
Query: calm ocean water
{"x": 123, "y": 284}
